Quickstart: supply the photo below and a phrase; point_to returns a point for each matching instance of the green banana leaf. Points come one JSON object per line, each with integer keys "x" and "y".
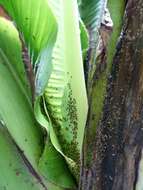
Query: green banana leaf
{"x": 68, "y": 63}
{"x": 60, "y": 175}
{"x": 84, "y": 39}
{"x": 13, "y": 172}
{"x": 117, "y": 12}
{"x": 38, "y": 29}
{"x": 91, "y": 12}
{"x": 65, "y": 95}
{"x": 15, "y": 107}
{"x": 52, "y": 164}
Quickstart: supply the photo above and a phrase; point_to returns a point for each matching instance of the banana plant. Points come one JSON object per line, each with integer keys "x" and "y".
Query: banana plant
{"x": 43, "y": 98}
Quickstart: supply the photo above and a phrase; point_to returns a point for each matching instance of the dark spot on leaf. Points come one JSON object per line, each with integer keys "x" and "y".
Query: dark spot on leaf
{"x": 17, "y": 173}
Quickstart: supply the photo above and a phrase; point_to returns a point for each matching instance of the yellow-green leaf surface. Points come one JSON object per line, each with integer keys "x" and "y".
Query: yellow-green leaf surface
{"x": 15, "y": 109}
{"x": 117, "y": 13}
{"x": 84, "y": 39}
{"x": 13, "y": 172}
{"x": 65, "y": 94}
{"x": 40, "y": 37}
{"x": 36, "y": 22}
{"x": 38, "y": 27}
{"x": 54, "y": 168}
{"x": 52, "y": 164}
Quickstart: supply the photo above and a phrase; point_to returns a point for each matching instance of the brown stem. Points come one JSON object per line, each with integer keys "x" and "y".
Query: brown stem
{"x": 119, "y": 137}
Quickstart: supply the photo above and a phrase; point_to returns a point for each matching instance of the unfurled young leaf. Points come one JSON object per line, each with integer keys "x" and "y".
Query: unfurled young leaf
{"x": 65, "y": 95}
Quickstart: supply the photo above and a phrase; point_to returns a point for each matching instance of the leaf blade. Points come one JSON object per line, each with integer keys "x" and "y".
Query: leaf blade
{"x": 38, "y": 26}
{"x": 14, "y": 173}
{"x": 67, "y": 76}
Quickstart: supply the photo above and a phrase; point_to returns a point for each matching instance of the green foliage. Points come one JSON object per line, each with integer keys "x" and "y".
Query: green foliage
{"x": 38, "y": 27}
{"x": 17, "y": 116}
{"x": 14, "y": 173}
{"x": 49, "y": 134}
{"x": 84, "y": 39}
{"x": 15, "y": 109}
{"x": 91, "y": 12}
{"x": 66, "y": 109}
{"x": 55, "y": 48}
{"x": 54, "y": 168}
{"x": 117, "y": 12}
